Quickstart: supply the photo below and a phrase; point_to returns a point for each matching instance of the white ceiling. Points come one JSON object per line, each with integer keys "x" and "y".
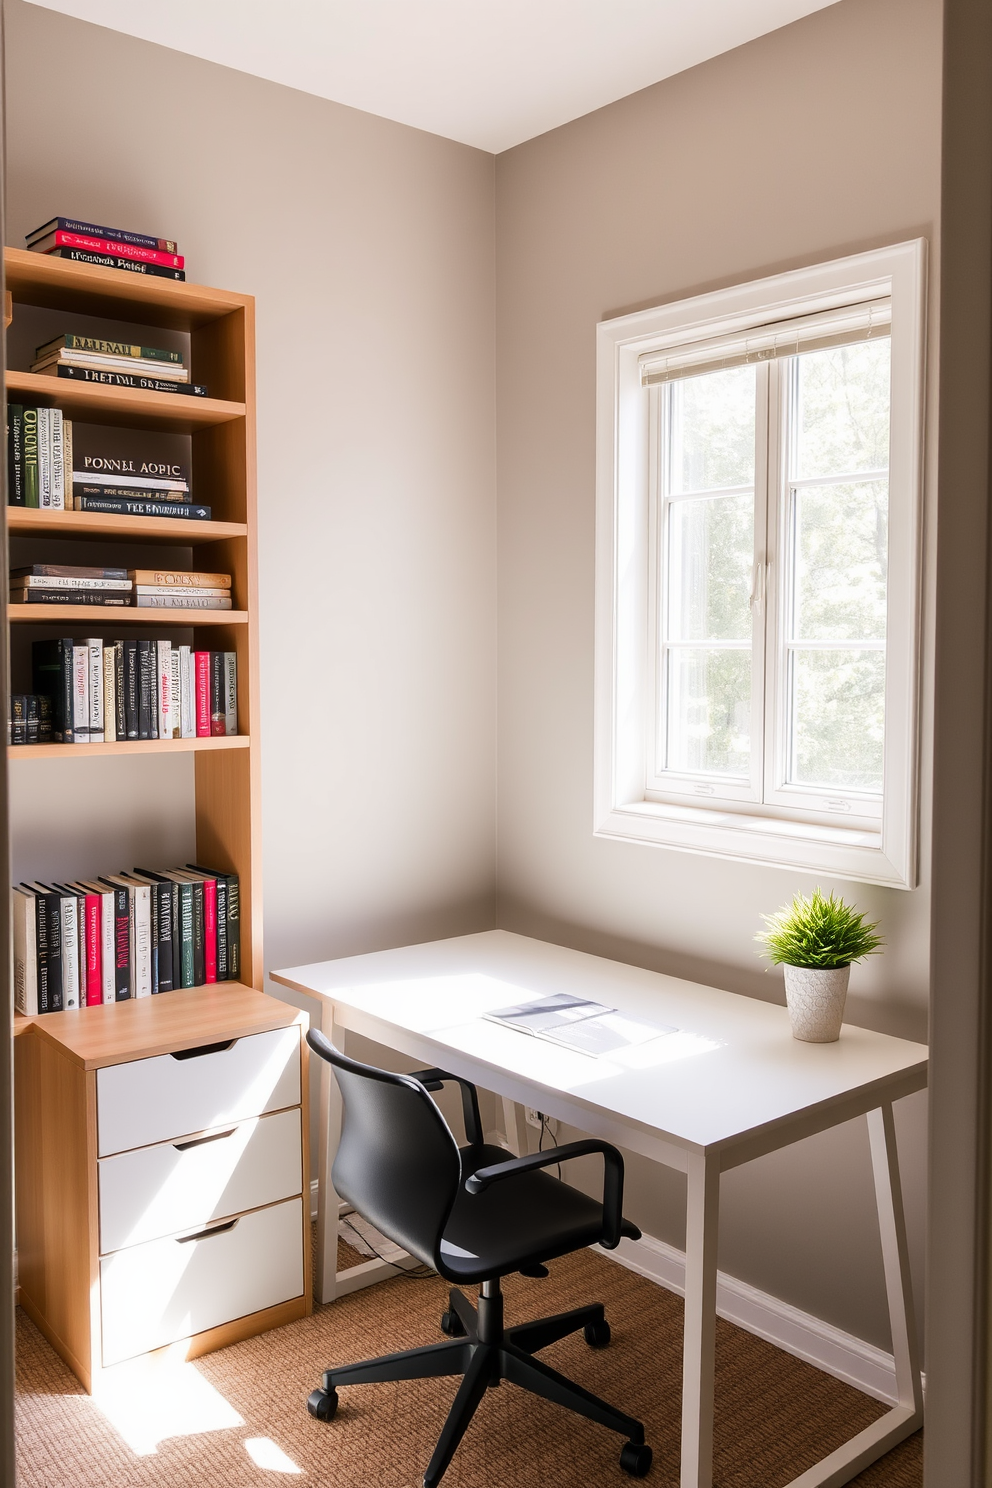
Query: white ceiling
{"x": 490, "y": 73}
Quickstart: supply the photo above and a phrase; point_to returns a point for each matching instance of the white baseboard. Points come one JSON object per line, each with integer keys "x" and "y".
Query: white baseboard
{"x": 847, "y": 1358}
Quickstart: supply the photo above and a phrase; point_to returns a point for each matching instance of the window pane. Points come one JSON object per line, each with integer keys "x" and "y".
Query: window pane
{"x": 710, "y": 556}
{"x": 709, "y": 711}
{"x": 841, "y": 537}
{"x": 712, "y": 430}
{"x": 842, "y": 398}
{"x": 838, "y": 718}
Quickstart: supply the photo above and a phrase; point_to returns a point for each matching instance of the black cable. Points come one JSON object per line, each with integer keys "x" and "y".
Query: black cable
{"x": 545, "y": 1127}
{"x": 414, "y": 1273}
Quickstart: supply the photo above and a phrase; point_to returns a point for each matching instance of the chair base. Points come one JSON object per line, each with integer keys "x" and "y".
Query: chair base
{"x": 484, "y": 1354}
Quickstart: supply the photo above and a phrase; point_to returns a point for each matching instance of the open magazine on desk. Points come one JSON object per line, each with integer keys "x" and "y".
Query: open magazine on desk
{"x": 578, "y": 1023}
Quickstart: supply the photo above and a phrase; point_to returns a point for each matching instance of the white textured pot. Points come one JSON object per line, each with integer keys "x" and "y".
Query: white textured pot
{"x": 815, "y": 996}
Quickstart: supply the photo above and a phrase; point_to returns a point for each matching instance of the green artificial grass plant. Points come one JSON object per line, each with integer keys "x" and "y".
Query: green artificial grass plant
{"x": 821, "y": 931}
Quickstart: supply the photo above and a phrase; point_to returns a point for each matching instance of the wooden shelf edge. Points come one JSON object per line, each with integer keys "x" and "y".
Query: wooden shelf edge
{"x": 25, "y": 520}
{"x": 127, "y": 746}
{"x": 49, "y": 614}
{"x": 88, "y": 398}
{"x": 34, "y": 277}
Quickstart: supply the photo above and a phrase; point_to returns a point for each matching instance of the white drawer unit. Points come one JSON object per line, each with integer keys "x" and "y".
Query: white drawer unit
{"x": 163, "y": 1174}
{"x": 162, "y": 1291}
{"x": 151, "y": 1192}
{"x": 196, "y": 1090}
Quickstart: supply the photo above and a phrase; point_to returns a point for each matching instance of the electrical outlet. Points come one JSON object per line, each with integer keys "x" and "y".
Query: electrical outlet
{"x": 532, "y": 1117}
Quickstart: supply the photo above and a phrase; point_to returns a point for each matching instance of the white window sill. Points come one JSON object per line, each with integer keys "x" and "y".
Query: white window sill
{"x": 841, "y": 852}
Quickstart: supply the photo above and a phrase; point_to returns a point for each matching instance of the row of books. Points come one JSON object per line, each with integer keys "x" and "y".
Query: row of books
{"x": 29, "y": 718}
{"x": 111, "y": 247}
{"x": 95, "y": 941}
{"x": 41, "y": 474}
{"x": 119, "y": 588}
{"x": 114, "y": 363}
{"x": 109, "y": 691}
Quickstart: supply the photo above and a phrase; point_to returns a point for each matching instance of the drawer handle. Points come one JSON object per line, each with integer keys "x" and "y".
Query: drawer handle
{"x": 204, "y": 1049}
{"x": 206, "y": 1234}
{"x": 199, "y": 1141}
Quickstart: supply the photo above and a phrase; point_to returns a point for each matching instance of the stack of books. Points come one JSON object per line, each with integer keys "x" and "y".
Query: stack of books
{"x": 110, "y": 247}
{"x": 109, "y": 691}
{"x": 180, "y": 589}
{"x": 69, "y": 583}
{"x": 39, "y": 452}
{"x": 29, "y": 718}
{"x": 121, "y": 486}
{"x": 123, "y": 935}
{"x": 114, "y": 363}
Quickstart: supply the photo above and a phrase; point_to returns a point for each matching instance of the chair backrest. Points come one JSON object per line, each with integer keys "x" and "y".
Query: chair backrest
{"x": 397, "y": 1161}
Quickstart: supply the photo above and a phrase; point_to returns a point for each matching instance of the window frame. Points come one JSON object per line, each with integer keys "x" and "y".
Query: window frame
{"x": 786, "y": 829}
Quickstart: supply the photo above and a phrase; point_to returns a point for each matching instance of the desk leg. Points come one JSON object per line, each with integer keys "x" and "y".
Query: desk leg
{"x": 895, "y": 1257}
{"x": 326, "y": 1270}
{"x": 699, "y": 1338}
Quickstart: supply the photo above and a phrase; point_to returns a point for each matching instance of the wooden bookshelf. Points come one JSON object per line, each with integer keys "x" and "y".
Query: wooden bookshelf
{"x": 220, "y": 325}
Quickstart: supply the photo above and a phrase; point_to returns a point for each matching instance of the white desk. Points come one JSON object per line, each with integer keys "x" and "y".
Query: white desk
{"x": 732, "y": 1085}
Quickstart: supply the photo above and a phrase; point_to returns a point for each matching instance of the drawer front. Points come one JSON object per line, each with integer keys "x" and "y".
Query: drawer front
{"x": 169, "y": 1096}
{"x": 156, "y": 1191}
{"x": 162, "y": 1291}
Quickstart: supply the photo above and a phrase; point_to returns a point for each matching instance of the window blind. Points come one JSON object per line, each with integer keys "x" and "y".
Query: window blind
{"x": 861, "y": 322}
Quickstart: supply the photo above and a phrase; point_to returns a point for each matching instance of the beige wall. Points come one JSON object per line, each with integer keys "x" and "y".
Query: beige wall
{"x": 369, "y": 247}
{"x": 818, "y": 140}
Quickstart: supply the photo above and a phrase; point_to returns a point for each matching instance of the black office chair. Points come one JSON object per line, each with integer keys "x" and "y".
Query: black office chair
{"x": 474, "y": 1216}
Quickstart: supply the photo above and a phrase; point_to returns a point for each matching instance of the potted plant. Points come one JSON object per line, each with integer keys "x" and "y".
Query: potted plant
{"x": 815, "y": 940}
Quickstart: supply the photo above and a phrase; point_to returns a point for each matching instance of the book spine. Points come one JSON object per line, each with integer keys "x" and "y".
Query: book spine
{"x": 132, "y": 690}
{"x": 96, "y": 244}
{"x": 94, "y": 948}
{"x": 102, "y": 492}
{"x": 32, "y": 718}
{"x": 81, "y": 694}
{"x": 44, "y": 457}
{"x": 175, "y": 692}
{"x": 174, "y": 601}
{"x": 146, "y": 689}
{"x": 98, "y": 363}
{"x": 187, "y": 721}
{"x": 108, "y": 470}
{"x": 30, "y": 455}
{"x": 142, "y": 942}
{"x": 128, "y": 380}
{"x": 164, "y": 578}
{"x": 199, "y": 936}
{"x": 72, "y": 342}
{"x": 153, "y": 936}
{"x": 70, "y": 581}
{"x": 163, "y": 895}
{"x": 70, "y": 952}
{"x": 95, "y": 645}
{"x": 25, "y": 954}
{"x": 233, "y": 927}
{"x": 222, "y": 960}
{"x": 90, "y": 229}
{"x": 122, "y": 943}
{"x": 108, "y": 986}
{"x": 210, "y": 930}
{"x": 230, "y": 692}
{"x": 202, "y": 665}
{"x": 15, "y": 454}
{"x": 48, "y": 926}
{"x": 218, "y": 706}
{"x": 119, "y": 506}
{"x": 186, "y": 934}
{"x": 110, "y": 694}
{"x": 67, "y": 461}
{"x": 117, "y": 261}
{"x": 165, "y": 689}
{"x": 71, "y": 597}
{"x": 17, "y": 718}
{"x": 52, "y": 674}
{"x": 58, "y": 457}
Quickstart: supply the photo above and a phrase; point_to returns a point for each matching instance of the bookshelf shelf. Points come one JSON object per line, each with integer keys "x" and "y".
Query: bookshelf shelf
{"x": 50, "y": 614}
{"x": 134, "y": 408}
{"x": 24, "y": 521}
{"x": 126, "y": 746}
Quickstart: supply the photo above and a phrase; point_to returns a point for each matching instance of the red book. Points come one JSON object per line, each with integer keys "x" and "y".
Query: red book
{"x": 94, "y": 960}
{"x": 202, "y": 659}
{"x": 61, "y": 239}
{"x": 210, "y": 928}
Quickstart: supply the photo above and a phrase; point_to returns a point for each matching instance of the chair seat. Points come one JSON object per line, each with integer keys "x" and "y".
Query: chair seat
{"x": 516, "y": 1222}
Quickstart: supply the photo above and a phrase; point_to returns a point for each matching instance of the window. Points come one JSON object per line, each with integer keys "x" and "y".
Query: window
{"x": 757, "y": 569}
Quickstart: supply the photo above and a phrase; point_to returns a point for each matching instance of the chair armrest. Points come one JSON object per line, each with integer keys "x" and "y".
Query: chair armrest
{"x": 433, "y": 1079}
{"x": 612, "y": 1178}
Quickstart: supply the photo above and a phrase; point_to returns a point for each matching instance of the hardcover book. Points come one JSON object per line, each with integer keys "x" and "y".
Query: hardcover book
{"x": 116, "y": 261}
{"x": 128, "y": 380}
{"x": 95, "y": 243}
{"x": 116, "y": 234}
{"x": 117, "y": 506}
{"x": 72, "y": 342}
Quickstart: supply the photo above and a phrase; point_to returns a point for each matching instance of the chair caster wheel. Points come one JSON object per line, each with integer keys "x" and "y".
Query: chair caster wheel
{"x": 323, "y": 1404}
{"x": 635, "y": 1459}
{"x": 597, "y": 1335}
{"x": 452, "y": 1324}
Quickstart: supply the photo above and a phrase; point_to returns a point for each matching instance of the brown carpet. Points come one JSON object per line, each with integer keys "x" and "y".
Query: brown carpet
{"x": 776, "y": 1416}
